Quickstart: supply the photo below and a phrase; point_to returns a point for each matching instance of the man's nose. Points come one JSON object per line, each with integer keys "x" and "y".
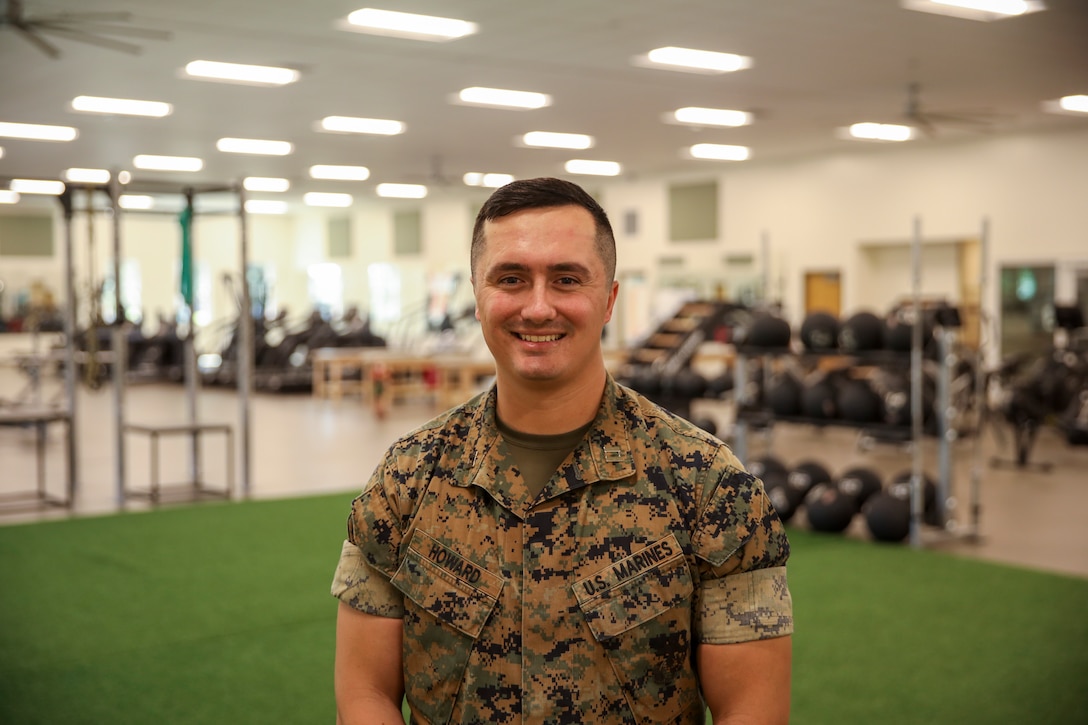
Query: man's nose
{"x": 539, "y": 304}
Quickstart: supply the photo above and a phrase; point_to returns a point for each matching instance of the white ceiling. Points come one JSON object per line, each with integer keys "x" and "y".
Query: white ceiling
{"x": 818, "y": 65}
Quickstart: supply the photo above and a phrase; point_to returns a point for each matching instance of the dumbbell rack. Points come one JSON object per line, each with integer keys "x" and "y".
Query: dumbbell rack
{"x": 747, "y": 416}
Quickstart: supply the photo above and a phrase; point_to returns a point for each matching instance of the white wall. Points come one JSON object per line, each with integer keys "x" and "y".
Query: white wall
{"x": 815, "y": 212}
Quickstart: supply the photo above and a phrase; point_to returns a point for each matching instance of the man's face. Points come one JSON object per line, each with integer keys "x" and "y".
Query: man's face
{"x": 542, "y": 294}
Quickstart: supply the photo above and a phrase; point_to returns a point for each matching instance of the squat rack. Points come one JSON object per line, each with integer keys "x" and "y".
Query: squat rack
{"x": 193, "y": 427}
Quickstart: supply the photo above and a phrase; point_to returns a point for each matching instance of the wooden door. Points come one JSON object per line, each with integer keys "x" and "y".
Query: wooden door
{"x": 823, "y": 292}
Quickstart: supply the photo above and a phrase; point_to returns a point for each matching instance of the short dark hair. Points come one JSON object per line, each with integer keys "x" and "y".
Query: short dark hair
{"x": 542, "y": 193}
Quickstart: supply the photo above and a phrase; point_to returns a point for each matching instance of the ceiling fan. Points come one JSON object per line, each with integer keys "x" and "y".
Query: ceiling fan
{"x": 931, "y": 122}
{"x": 93, "y": 28}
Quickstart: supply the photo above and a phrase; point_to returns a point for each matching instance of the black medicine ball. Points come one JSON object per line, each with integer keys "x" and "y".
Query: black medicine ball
{"x": 858, "y": 402}
{"x": 818, "y": 397}
{"x": 783, "y": 394}
{"x": 807, "y": 474}
{"x": 887, "y": 517}
{"x": 767, "y": 466}
{"x": 768, "y": 331}
{"x": 785, "y": 499}
{"x": 860, "y": 484}
{"x": 829, "y": 509}
{"x": 820, "y": 331}
{"x": 860, "y": 332}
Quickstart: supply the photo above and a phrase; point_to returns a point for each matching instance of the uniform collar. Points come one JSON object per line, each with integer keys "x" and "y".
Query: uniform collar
{"x": 605, "y": 454}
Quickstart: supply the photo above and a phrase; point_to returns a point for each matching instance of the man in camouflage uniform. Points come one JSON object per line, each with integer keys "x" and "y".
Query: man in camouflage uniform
{"x": 559, "y": 549}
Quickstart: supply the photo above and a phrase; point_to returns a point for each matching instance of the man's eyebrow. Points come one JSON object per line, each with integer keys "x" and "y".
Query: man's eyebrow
{"x": 506, "y": 267}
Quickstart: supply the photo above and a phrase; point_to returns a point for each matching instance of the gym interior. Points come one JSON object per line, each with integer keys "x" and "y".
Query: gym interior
{"x": 890, "y": 334}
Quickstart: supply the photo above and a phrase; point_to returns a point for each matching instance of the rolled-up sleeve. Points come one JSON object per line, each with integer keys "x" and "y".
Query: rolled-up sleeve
{"x": 742, "y": 546}
{"x": 369, "y": 555}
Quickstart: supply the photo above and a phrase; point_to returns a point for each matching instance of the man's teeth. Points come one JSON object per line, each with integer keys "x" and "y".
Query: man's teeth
{"x": 539, "y": 338}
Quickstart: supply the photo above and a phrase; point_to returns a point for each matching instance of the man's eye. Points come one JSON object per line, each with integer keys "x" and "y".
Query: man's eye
{"x": 567, "y": 280}
{"x": 508, "y": 280}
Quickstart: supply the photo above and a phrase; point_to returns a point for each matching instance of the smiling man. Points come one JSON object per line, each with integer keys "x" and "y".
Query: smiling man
{"x": 559, "y": 549}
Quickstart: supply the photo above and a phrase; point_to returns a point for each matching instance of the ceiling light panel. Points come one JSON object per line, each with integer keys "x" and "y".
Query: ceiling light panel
{"x": 265, "y": 183}
{"x": 696, "y": 116}
{"x": 263, "y": 75}
{"x": 501, "y": 98}
{"x": 1071, "y": 105}
{"x": 321, "y": 198}
{"x": 549, "y": 139}
{"x": 339, "y": 173}
{"x": 402, "y": 191}
{"x": 121, "y": 106}
{"x": 135, "y": 201}
{"x": 593, "y": 168}
{"x": 408, "y": 25}
{"x": 150, "y": 162}
{"x": 265, "y": 206}
{"x": 868, "y": 131}
{"x": 9, "y": 197}
{"x": 37, "y": 131}
{"x": 255, "y": 146}
{"x": 350, "y": 124}
{"x": 692, "y": 60}
{"x": 490, "y": 180}
{"x": 37, "y": 186}
{"x": 984, "y": 10}
{"x": 87, "y": 176}
{"x": 719, "y": 152}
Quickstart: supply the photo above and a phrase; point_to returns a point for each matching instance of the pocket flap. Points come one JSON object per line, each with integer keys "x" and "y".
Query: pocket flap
{"x": 447, "y": 585}
{"x": 636, "y": 589}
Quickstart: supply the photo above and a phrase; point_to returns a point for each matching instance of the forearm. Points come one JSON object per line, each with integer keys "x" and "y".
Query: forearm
{"x": 363, "y": 708}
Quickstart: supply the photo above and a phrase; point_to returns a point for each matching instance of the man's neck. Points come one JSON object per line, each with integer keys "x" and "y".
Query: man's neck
{"x": 541, "y": 410}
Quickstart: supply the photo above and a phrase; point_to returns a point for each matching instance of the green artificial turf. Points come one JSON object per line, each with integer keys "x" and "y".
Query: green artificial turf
{"x": 220, "y": 613}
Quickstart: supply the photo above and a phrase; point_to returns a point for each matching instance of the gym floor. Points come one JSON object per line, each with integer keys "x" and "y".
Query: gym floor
{"x": 301, "y": 446}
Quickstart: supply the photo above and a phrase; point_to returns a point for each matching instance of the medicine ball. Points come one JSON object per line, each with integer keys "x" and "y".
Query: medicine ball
{"x": 887, "y": 517}
{"x": 684, "y": 384}
{"x": 784, "y": 498}
{"x": 707, "y": 424}
{"x": 859, "y": 483}
{"x": 719, "y": 385}
{"x": 856, "y": 401}
{"x": 818, "y": 395}
{"x": 783, "y": 394}
{"x": 930, "y": 511}
{"x": 899, "y": 334}
{"x": 860, "y": 332}
{"x": 807, "y": 474}
{"x": 646, "y": 381}
{"x": 820, "y": 331}
{"x": 768, "y": 331}
{"x": 828, "y": 509}
{"x": 767, "y": 466}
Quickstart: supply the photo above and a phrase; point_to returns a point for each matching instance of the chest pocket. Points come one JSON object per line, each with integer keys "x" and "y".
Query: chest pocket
{"x": 639, "y": 610}
{"x": 448, "y": 601}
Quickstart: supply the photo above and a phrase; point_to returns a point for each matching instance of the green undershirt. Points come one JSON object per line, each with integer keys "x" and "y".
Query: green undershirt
{"x": 539, "y": 456}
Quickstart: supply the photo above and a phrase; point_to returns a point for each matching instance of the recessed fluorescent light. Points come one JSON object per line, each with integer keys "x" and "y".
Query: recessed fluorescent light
{"x": 9, "y": 197}
{"x": 710, "y": 116}
{"x": 37, "y": 131}
{"x": 265, "y": 206}
{"x": 265, "y": 183}
{"x": 500, "y": 98}
{"x": 1072, "y": 105}
{"x": 257, "y": 146}
{"x": 985, "y": 10}
{"x": 719, "y": 152}
{"x": 880, "y": 132}
{"x": 491, "y": 180}
{"x": 37, "y": 186}
{"x": 87, "y": 176}
{"x": 1, "y": 152}
{"x": 135, "y": 201}
{"x": 339, "y": 173}
{"x": 121, "y": 106}
{"x": 548, "y": 139}
{"x": 348, "y": 124}
{"x": 694, "y": 61}
{"x": 321, "y": 198}
{"x": 402, "y": 191}
{"x": 167, "y": 163}
{"x": 408, "y": 25}
{"x": 594, "y": 168}
{"x": 241, "y": 73}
